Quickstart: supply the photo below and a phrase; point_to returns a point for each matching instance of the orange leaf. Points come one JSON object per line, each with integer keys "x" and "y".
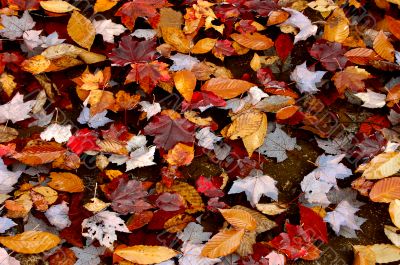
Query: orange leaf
{"x": 81, "y": 30}
{"x": 239, "y": 218}
{"x": 255, "y": 41}
{"x": 226, "y": 88}
{"x": 100, "y": 100}
{"x": 64, "y": 181}
{"x": 277, "y": 17}
{"x": 286, "y": 112}
{"x": 383, "y": 47}
{"x": 394, "y": 26}
{"x": 104, "y": 5}
{"x": 337, "y": 27}
{"x": 40, "y": 153}
{"x": 352, "y": 77}
{"x": 203, "y": 46}
{"x": 176, "y": 38}
{"x": 386, "y": 190}
{"x": 36, "y": 64}
{"x": 185, "y": 83}
{"x": 223, "y": 243}
{"x": 180, "y": 155}
{"x": 30, "y": 242}
{"x": 125, "y": 101}
{"x": 362, "y": 55}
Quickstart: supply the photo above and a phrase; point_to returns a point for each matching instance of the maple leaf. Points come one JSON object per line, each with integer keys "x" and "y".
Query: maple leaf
{"x": 203, "y": 100}
{"x": 108, "y": 29}
{"x": 194, "y": 234}
{"x": 313, "y": 224}
{"x": 298, "y": 20}
{"x": 191, "y": 254}
{"x": 5, "y": 224}
{"x": 352, "y": 78}
{"x": 16, "y": 109}
{"x": 372, "y": 99}
{"x": 88, "y": 255}
{"x": 151, "y": 109}
{"x": 330, "y": 54}
{"x": 15, "y": 27}
{"x": 206, "y": 138}
{"x": 305, "y": 79}
{"x": 295, "y": 243}
{"x": 60, "y": 133}
{"x": 132, "y": 51}
{"x": 131, "y": 10}
{"x": 277, "y": 143}
{"x": 7, "y": 178}
{"x": 320, "y": 181}
{"x": 148, "y": 75}
{"x": 168, "y": 132}
{"x": 102, "y": 226}
{"x": 83, "y": 140}
{"x": 255, "y": 185}
{"x": 338, "y": 145}
{"x": 183, "y": 62}
{"x": 141, "y": 157}
{"x": 343, "y": 219}
{"x": 128, "y": 197}
{"x": 95, "y": 121}
{"x": 7, "y": 259}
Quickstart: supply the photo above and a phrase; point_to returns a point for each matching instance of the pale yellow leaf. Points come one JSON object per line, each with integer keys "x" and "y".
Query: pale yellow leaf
{"x": 393, "y": 233}
{"x": 394, "y": 211}
{"x": 57, "y": 6}
{"x": 381, "y": 166}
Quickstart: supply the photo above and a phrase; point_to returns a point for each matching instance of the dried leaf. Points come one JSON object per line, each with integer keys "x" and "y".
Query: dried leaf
{"x": 383, "y": 47}
{"x": 64, "y": 181}
{"x": 239, "y": 219}
{"x": 203, "y": 46}
{"x": 381, "y": 166}
{"x": 256, "y": 139}
{"x": 40, "y": 153}
{"x": 30, "y": 242}
{"x": 81, "y": 30}
{"x": 244, "y": 124}
{"x": 273, "y": 208}
{"x": 361, "y": 56}
{"x": 176, "y": 38}
{"x": 337, "y": 28}
{"x": 146, "y": 254}
{"x": 254, "y": 41}
{"x": 394, "y": 211}
{"x": 386, "y": 190}
{"x": 57, "y": 6}
{"x": 223, "y": 243}
{"x": 7, "y": 134}
{"x": 185, "y": 83}
{"x": 180, "y": 155}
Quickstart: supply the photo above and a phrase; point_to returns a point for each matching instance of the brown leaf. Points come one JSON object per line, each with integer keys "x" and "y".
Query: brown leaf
{"x": 81, "y": 30}
{"x": 126, "y": 101}
{"x": 254, "y": 41}
{"x": 386, "y": 190}
{"x": 383, "y": 47}
{"x": 276, "y": 17}
{"x": 64, "y": 181}
{"x": 362, "y": 56}
{"x": 185, "y": 83}
{"x": 227, "y": 88}
{"x": 337, "y": 28}
{"x": 7, "y": 134}
{"x": 222, "y": 244}
{"x": 239, "y": 219}
{"x": 246, "y": 244}
{"x": 30, "y": 242}
{"x": 255, "y": 140}
{"x": 112, "y": 146}
{"x": 40, "y": 153}
{"x": 146, "y": 254}
{"x": 100, "y": 100}
{"x": 176, "y": 38}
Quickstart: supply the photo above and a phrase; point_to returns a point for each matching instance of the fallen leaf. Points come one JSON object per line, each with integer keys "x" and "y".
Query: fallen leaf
{"x": 381, "y": 166}
{"x": 30, "y": 242}
{"x": 223, "y": 243}
{"x": 57, "y": 6}
{"x": 306, "y": 81}
{"x": 351, "y": 78}
{"x": 394, "y": 211}
{"x": 239, "y": 219}
{"x": 146, "y": 254}
{"x": 383, "y": 47}
{"x": 254, "y": 41}
{"x": 185, "y": 83}
{"x": 385, "y": 190}
{"x": 81, "y": 30}
{"x": 64, "y": 181}
{"x": 337, "y": 28}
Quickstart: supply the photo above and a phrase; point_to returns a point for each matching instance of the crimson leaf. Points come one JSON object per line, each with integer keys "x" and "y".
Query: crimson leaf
{"x": 132, "y": 51}
{"x": 313, "y": 224}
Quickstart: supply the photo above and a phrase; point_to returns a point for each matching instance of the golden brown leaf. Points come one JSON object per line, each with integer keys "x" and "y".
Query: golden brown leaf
{"x": 126, "y": 101}
{"x": 176, "y": 38}
{"x": 30, "y": 242}
{"x": 193, "y": 117}
{"x": 274, "y": 103}
{"x": 112, "y": 146}
{"x": 64, "y": 181}
{"x": 20, "y": 207}
{"x": 170, "y": 18}
{"x": 254, "y": 41}
{"x": 245, "y": 124}
{"x": 7, "y": 134}
{"x": 100, "y": 100}
{"x": 363, "y": 256}
{"x": 104, "y": 5}
{"x": 227, "y": 88}
{"x": 287, "y": 112}
{"x": 36, "y": 64}
{"x": 49, "y": 194}
{"x": 239, "y": 219}
{"x": 178, "y": 223}
{"x": 81, "y": 30}
{"x": 185, "y": 83}
{"x": 57, "y": 6}
{"x": 40, "y": 153}
{"x": 203, "y": 46}
{"x": 146, "y": 254}
{"x": 246, "y": 244}
{"x": 381, "y": 166}
{"x": 383, "y": 47}
{"x": 7, "y": 83}
{"x": 256, "y": 139}
{"x": 180, "y": 155}
{"x": 361, "y": 55}
{"x": 95, "y": 205}
{"x": 350, "y": 78}
{"x": 67, "y": 161}
{"x": 386, "y": 190}
{"x": 263, "y": 223}
{"x": 337, "y": 28}
{"x": 222, "y": 244}
{"x": 276, "y": 17}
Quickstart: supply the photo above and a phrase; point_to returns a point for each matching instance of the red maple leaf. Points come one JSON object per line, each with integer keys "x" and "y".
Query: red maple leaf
{"x": 128, "y": 197}
{"x": 373, "y": 124}
{"x": 132, "y": 51}
{"x": 203, "y": 99}
{"x": 130, "y": 11}
{"x": 295, "y": 243}
{"x": 82, "y": 141}
{"x": 224, "y": 47}
{"x": 313, "y": 224}
{"x": 206, "y": 186}
{"x": 330, "y": 54}
{"x": 168, "y": 132}
{"x": 148, "y": 75}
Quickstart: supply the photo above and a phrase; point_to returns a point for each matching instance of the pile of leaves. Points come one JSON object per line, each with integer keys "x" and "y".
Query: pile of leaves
{"x": 105, "y": 106}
